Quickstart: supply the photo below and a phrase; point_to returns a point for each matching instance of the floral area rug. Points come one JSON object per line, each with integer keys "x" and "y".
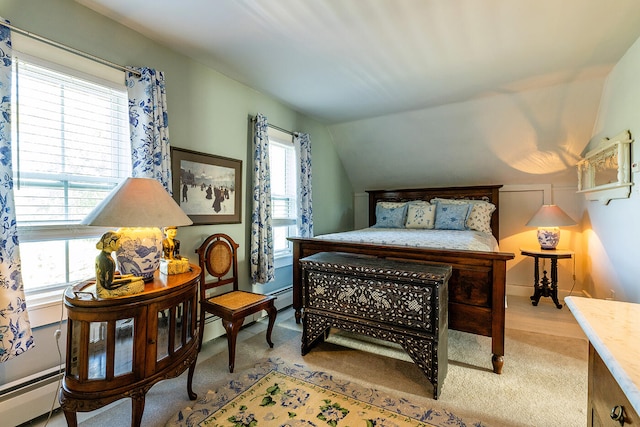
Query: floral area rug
{"x": 275, "y": 393}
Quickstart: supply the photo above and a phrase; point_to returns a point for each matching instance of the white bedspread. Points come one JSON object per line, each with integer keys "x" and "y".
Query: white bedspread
{"x": 437, "y": 239}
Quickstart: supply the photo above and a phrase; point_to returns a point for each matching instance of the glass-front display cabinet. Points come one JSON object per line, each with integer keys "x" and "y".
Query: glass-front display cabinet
{"x": 119, "y": 347}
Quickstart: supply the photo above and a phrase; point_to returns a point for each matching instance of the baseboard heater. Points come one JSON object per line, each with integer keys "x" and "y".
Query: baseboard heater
{"x": 30, "y": 397}
{"x": 285, "y": 297}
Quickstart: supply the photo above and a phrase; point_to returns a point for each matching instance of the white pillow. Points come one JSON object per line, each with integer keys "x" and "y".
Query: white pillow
{"x": 420, "y": 214}
{"x": 480, "y": 217}
{"x": 391, "y": 205}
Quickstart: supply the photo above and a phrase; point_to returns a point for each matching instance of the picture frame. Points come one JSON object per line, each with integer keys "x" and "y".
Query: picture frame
{"x": 213, "y": 186}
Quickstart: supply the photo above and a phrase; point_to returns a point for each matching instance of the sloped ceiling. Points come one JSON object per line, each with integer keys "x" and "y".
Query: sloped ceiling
{"x": 416, "y": 92}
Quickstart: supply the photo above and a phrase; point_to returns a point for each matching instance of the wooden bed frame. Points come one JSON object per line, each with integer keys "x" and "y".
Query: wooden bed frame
{"x": 477, "y": 287}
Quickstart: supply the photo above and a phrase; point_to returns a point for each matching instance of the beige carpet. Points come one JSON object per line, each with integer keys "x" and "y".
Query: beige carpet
{"x": 544, "y": 381}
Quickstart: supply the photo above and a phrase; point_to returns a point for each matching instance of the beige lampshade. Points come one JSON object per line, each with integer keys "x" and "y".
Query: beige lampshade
{"x": 550, "y": 216}
{"x": 138, "y": 202}
{"x": 139, "y": 207}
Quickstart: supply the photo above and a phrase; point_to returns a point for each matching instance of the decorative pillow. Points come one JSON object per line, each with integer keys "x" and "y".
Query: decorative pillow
{"x": 391, "y": 204}
{"x": 420, "y": 214}
{"x": 479, "y": 217}
{"x": 393, "y": 217}
{"x": 451, "y": 216}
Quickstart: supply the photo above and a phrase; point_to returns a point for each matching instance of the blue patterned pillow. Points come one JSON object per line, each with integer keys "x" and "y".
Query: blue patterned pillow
{"x": 451, "y": 217}
{"x": 390, "y": 217}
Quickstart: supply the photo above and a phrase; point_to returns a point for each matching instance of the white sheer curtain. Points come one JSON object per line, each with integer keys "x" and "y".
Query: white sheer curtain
{"x": 262, "y": 264}
{"x": 302, "y": 144}
{"x": 15, "y": 329}
{"x": 148, "y": 121}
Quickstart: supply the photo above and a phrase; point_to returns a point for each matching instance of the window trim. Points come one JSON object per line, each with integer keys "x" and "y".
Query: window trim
{"x": 30, "y": 233}
{"x": 39, "y": 51}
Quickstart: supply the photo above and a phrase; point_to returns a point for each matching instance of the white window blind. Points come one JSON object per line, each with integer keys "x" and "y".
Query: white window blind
{"x": 70, "y": 142}
{"x": 283, "y": 182}
{"x": 282, "y": 158}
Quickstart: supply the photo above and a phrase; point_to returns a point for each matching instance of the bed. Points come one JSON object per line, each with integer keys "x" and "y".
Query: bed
{"x": 477, "y": 287}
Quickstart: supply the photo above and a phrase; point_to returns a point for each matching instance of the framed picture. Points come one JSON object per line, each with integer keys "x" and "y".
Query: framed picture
{"x": 208, "y": 188}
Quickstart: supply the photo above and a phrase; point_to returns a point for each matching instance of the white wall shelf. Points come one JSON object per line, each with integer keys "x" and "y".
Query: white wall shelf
{"x": 605, "y": 172}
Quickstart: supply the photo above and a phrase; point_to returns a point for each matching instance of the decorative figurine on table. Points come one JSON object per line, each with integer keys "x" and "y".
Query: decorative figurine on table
{"x": 172, "y": 262}
{"x": 108, "y": 283}
{"x": 171, "y": 245}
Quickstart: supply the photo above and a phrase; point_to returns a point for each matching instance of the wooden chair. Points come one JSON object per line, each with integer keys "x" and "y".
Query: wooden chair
{"x": 218, "y": 256}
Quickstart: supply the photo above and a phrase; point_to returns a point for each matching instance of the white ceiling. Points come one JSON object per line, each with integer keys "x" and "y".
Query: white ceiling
{"x": 430, "y": 67}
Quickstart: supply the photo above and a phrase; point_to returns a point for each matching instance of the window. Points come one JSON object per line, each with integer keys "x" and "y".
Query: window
{"x": 70, "y": 140}
{"x": 282, "y": 163}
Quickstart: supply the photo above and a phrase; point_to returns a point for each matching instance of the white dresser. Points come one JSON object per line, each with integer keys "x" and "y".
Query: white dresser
{"x": 613, "y": 330}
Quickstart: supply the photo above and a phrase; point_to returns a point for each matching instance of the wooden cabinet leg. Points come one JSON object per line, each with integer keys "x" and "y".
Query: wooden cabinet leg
{"x": 71, "y": 417}
{"x": 137, "y": 410}
{"x": 192, "y": 368}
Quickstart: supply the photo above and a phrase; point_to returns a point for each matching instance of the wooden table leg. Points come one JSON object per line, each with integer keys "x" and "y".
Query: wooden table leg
{"x": 554, "y": 282}
{"x": 537, "y": 286}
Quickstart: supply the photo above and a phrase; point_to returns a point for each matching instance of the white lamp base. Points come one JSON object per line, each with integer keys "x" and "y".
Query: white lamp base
{"x": 548, "y": 237}
{"x": 139, "y": 251}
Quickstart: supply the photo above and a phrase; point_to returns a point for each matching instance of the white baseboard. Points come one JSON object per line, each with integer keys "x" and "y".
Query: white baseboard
{"x": 527, "y": 291}
{"x": 519, "y": 290}
{"x": 30, "y": 399}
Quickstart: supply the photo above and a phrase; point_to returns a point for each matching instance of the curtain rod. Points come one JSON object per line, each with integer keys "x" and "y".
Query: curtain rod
{"x": 253, "y": 119}
{"x": 281, "y": 130}
{"x": 70, "y": 49}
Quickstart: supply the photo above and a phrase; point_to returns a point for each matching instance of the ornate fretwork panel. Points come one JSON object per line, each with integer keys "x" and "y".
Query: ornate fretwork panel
{"x": 406, "y": 305}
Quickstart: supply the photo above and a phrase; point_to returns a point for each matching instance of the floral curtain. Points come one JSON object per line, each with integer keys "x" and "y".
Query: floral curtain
{"x": 302, "y": 144}
{"x": 15, "y": 329}
{"x": 148, "y": 121}
{"x": 262, "y": 265}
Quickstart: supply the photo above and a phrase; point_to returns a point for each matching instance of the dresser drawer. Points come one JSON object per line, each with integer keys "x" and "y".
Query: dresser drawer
{"x": 605, "y": 394}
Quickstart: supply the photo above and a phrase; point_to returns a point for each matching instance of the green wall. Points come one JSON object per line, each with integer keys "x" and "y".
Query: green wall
{"x": 208, "y": 112}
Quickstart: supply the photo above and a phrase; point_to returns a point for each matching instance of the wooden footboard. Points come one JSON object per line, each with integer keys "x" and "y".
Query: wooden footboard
{"x": 476, "y": 289}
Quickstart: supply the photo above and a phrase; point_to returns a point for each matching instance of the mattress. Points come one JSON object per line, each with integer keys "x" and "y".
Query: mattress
{"x": 459, "y": 240}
